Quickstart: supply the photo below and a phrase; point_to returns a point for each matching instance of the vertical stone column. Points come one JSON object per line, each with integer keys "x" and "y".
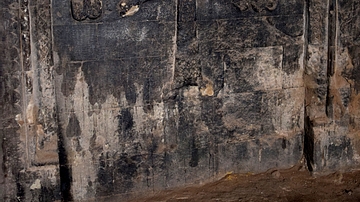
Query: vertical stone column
{"x": 329, "y": 143}
{"x": 10, "y": 100}
{"x": 43, "y": 96}
{"x": 30, "y": 147}
{"x": 315, "y": 77}
{"x": 346, "y": 83}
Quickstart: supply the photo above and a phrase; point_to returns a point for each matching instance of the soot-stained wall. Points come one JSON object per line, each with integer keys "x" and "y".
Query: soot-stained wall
{"x": 112, "y": 98}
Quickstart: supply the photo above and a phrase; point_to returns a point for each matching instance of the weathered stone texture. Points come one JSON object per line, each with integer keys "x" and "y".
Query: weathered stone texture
{"x": 28, "y": 127}
{"x": 119, "y": 97}
{"x": 146, "y": 105}
{"x": 10, "y": 95}
{"x": 330, "y": 90}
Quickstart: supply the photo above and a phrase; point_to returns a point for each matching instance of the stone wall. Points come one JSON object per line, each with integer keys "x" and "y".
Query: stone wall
{"x": 29, "y": 127}
{"x": 112, "y": 98}
{"x": 332, "y": 101}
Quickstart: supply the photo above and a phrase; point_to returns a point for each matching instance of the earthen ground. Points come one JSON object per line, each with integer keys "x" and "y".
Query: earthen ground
{"x": 295, "y": 184}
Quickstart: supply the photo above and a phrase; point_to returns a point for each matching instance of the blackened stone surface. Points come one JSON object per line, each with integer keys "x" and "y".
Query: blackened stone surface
{"x": 38, "y": 186}
{"x": 354, "y": 53}
{"x": 77, "y": 42}
{"x": 143, "y": 95}
{"x": 179, "y": 92}
{"x": 10, "y": 100}
{"x": 73, "y": 129}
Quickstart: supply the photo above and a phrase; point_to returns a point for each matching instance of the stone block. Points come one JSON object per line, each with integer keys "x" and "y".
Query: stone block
{"x": 222, "y": 9}
{"x": 293, "y": 66}
{"x": 77, "y": 42}
{"x": 132, "y": 39}
{"x": 254, "y": 69}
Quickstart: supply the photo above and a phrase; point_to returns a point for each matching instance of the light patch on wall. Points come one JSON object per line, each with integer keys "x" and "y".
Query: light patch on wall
{"x": 269, "y": 73}
{"x": 99, "y": 125}
{"x": 36, "y": 185}
{"x": 31, "y": 112}
{"x": 208, "y": 90}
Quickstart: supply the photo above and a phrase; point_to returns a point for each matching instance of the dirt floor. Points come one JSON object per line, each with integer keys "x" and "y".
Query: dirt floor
{"x": 294, "y": 184}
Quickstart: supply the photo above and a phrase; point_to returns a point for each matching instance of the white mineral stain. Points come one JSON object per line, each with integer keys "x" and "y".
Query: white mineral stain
{"x": 36, "y": 185}
{"x": 131, "y": 11}
{"x": 19, "y": 120}
{"x": 31, "y": 112}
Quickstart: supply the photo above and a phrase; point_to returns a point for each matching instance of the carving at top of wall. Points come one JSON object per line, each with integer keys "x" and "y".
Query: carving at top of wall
{"x": 25, "y": 36}
{"x": 126, "y": 8}
{"x": 256, "y": 5}
{"x": 82, "y": 9}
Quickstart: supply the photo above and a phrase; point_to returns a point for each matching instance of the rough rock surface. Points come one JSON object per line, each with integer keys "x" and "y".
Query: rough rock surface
{"x": 117, "y": 97}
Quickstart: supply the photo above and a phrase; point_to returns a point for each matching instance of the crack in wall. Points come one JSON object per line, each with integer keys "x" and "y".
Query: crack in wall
{"x": 331, "y": 52}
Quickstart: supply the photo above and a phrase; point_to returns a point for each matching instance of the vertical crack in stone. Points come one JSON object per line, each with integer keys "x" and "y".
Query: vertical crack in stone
{"x": 65, "y": 169}
{"x": 194, "y": 154}
{"x": 308, "y": 147}
{"x": 309, "y": 143}
{"x": 332, "y": 15}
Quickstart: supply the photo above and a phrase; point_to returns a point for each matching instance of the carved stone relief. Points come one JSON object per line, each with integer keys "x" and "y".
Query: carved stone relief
{"x": 256, "y": 5}
{"x": 42, "y": 131}
{"x": 83, "y": 9}
{"x": 127, "y": 8}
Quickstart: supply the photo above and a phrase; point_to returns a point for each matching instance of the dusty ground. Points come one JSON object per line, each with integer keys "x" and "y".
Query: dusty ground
{"x": 275, "y": 185}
